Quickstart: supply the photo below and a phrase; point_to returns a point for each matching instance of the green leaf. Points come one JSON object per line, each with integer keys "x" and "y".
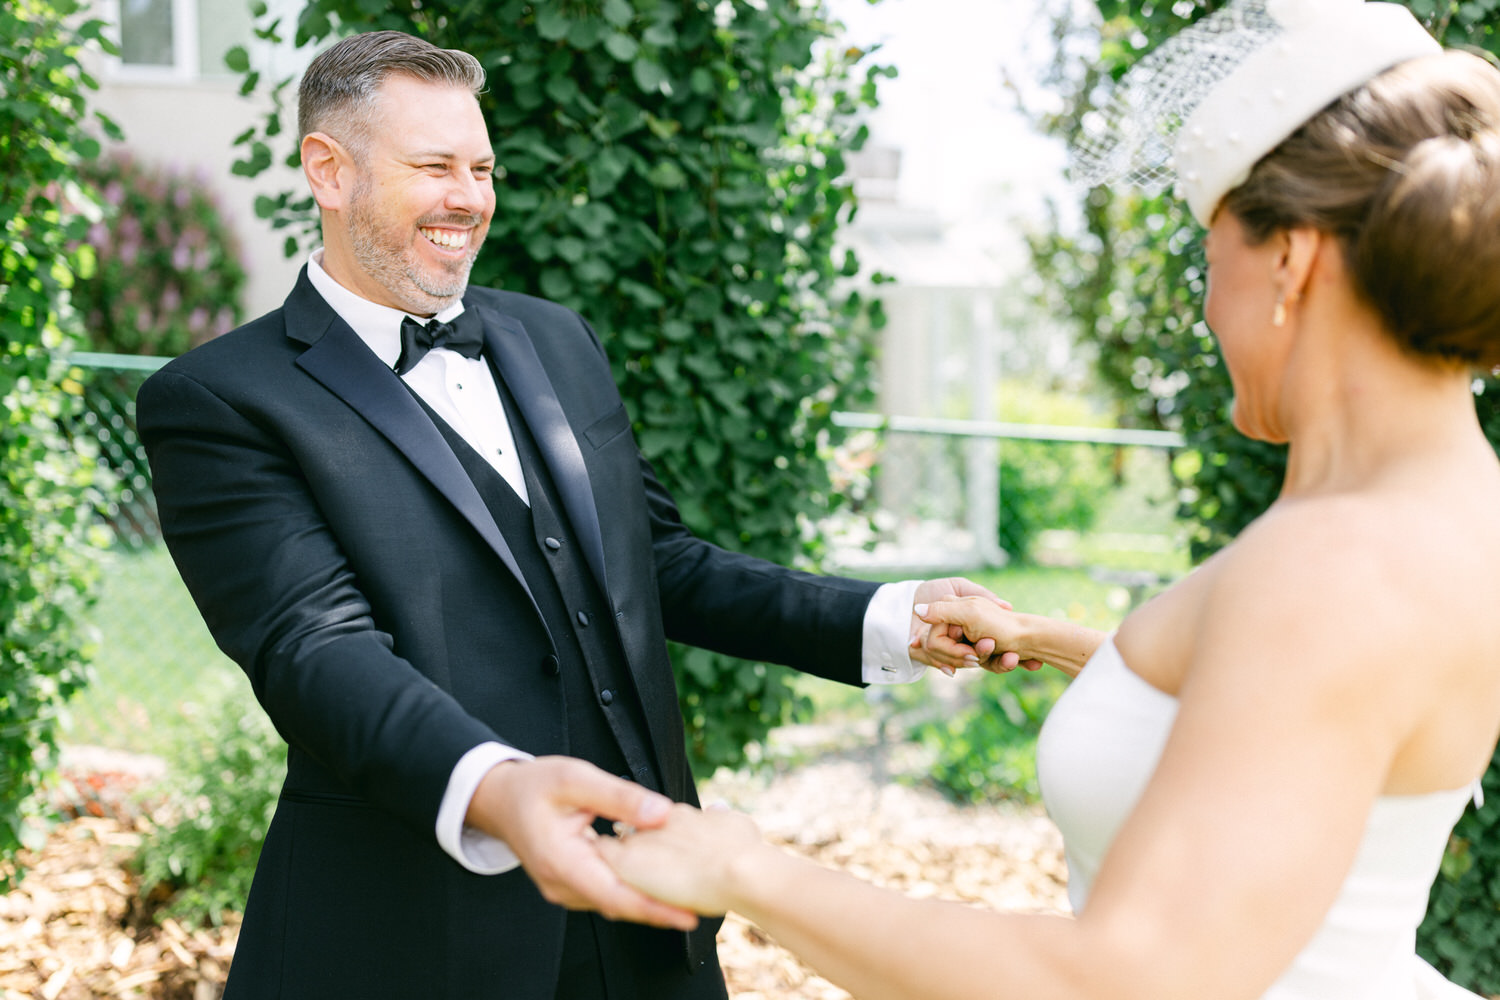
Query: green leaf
{"x": 237, "y": 59}
{"x": 666, "y": 174}
{"x": 562, "y": 89}
{"x": 649, "y": 75}
{"x": 586, "y": 32}
{"x": 622, "y": 46}
{"x": 552, "y": 22}
{"x": 661, "y": 35}
{"x": 618, "y": 12}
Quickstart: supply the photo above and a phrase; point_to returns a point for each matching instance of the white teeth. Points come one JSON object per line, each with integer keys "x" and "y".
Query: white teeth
{"x": 447, "y": 238}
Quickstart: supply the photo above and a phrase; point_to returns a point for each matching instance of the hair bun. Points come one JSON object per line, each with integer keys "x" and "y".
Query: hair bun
{"x": 1429, "y": 251}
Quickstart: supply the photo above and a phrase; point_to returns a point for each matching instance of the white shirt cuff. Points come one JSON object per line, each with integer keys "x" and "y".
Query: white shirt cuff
{"x": 887, "y": 636}
{"x": 477, "y": 851}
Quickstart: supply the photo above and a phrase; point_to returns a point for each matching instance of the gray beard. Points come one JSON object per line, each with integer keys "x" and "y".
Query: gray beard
{"x": 391, "y": 268}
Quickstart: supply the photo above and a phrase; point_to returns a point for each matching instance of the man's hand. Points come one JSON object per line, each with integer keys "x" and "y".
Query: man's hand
{"x": 945, "y": 647}
{"x": 544, "y": 809}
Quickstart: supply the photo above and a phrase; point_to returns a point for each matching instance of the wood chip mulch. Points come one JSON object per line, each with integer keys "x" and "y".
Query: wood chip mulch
{"x": 74, "y": 927}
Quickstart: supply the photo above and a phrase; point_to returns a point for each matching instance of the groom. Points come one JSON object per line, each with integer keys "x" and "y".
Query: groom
{"x": 414, "y": 513}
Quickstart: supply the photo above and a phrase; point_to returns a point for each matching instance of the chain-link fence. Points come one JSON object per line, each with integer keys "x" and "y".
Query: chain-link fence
{"x": 155, "y": 657}
{"x": 926, "y": 496}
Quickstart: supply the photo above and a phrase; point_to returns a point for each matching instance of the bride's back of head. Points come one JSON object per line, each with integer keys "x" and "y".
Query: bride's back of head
{"x": 1405, "y": 171}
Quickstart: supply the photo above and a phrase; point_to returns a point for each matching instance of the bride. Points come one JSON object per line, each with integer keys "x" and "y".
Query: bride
{"x": 1257, "y": 774}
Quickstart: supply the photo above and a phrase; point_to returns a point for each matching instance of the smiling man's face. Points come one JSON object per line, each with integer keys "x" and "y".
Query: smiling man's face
{"x": 422, "y": 197}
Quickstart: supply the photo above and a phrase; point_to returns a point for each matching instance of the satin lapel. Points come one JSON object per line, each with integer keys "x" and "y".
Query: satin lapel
{"x": 513, "y": 352}
{"x": 341, "y": 362}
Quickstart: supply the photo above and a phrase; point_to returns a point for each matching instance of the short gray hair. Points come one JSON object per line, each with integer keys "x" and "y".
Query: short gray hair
{"x": 337, "y": 93}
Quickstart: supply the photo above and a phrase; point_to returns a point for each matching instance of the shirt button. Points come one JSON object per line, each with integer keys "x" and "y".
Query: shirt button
{"x": 550, "y": 665}
{"x": 552, "y": 543}
{"x": 606, "y": 697}
{"x": 583, "y": 619}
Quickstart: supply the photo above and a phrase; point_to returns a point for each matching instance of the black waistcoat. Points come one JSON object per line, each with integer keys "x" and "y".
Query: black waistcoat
{"x": 604, "y": 721}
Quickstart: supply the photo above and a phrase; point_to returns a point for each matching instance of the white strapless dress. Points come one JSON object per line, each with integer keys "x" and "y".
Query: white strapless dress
{"x": 1097, "y": 751}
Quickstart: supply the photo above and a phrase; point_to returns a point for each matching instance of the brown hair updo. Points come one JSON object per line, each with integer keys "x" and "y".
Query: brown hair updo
{"x": 1405, "y": 171}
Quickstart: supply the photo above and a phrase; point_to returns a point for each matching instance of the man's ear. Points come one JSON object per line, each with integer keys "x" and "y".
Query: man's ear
{"x": 328, "y": 168}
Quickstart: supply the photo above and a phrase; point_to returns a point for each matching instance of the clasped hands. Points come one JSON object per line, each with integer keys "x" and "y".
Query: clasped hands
{"x": 957, "y": 623}
{"x": 680, "y": 861}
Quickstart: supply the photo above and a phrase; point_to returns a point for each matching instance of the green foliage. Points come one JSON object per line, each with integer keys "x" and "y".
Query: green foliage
{"x": 1461, "y": 933}
{"x": 228, "y": 772}
{"x": 1133, "y": 280}
{"x": 672, "y": 169}
{"x": 167, "y": 274}
{"x": 1044, "y": 485}
{"x": 47, "y": 537}
{"x": 987, "y": 751}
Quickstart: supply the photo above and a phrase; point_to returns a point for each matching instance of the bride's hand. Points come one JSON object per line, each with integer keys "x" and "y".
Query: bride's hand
{"x": 993, "y": 630}
{"x": 692, "y": 861}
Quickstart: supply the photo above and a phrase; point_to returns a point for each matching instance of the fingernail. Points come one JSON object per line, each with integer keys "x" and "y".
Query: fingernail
{"x": 653, "y": 808}
{"x": 972, "y": 661}
{"x": 921, "y": 610}
{"x": 948, "y": 670}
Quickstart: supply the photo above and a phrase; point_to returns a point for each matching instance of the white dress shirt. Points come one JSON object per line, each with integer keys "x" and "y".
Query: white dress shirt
{"x": 462, "y": 391}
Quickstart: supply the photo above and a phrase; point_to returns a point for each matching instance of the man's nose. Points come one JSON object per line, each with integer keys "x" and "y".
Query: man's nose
{"x": 470, "y": 194}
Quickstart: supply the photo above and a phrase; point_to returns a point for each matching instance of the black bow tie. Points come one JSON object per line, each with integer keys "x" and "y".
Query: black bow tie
{"x": 464, "y": 335}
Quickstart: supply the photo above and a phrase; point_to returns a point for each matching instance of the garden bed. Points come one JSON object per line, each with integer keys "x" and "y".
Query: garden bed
{"x": 75, "y": 928}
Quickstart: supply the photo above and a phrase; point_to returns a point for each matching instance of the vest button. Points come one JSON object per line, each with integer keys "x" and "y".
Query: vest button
{"x": 550, "y": 665}
{"x": 606, "y": 697}
{"x": 552, "y": 543}
{"x": 583, "y": 619}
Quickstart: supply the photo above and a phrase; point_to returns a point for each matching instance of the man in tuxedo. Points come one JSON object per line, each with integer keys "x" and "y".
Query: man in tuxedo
{"x": 415, "y": 515}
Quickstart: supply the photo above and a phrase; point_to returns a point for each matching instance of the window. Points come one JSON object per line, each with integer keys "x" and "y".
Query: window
{"x": 146, "y": 32}
{"x": 187, "y": 39}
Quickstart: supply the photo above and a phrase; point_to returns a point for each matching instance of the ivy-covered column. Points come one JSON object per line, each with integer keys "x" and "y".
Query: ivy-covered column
{"x": 48, "y": 535}
{"x": 674, "y": 170}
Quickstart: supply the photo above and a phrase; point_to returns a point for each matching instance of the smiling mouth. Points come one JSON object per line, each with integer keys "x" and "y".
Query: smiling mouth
{"x": 449, "y": 239}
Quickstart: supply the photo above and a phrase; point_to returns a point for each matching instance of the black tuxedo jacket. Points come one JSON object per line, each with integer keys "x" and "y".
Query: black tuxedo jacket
{"x": 343, "y": 558}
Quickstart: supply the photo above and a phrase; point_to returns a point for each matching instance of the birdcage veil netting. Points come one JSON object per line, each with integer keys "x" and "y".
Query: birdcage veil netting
{"x": 1129, "y": 139}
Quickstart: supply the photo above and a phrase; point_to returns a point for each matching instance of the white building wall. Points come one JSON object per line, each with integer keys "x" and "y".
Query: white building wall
{"x": 188, "y": 126}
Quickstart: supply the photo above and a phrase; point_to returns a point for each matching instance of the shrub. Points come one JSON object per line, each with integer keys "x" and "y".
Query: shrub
{"x": 228, "y": 767}
{"x": 1046, "y": 485}
{"x": 673, "y": 169}
{"x": 168, "y": 274}
{"x": 48, "y": 539}
{"x": 987, "y": 750}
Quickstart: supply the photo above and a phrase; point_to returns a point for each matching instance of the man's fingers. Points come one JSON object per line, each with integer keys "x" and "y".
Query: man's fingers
{"x": 602, "y": 794}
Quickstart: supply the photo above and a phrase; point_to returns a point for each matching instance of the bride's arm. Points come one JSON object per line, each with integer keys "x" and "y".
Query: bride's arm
{"x": 1286, "y": 729}
{"x": 1024, "y": 637}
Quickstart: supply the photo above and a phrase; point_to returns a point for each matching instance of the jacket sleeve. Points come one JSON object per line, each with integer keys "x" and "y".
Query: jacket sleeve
{"x": 280, "y": 599}
{"x": 747, "y": 607}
